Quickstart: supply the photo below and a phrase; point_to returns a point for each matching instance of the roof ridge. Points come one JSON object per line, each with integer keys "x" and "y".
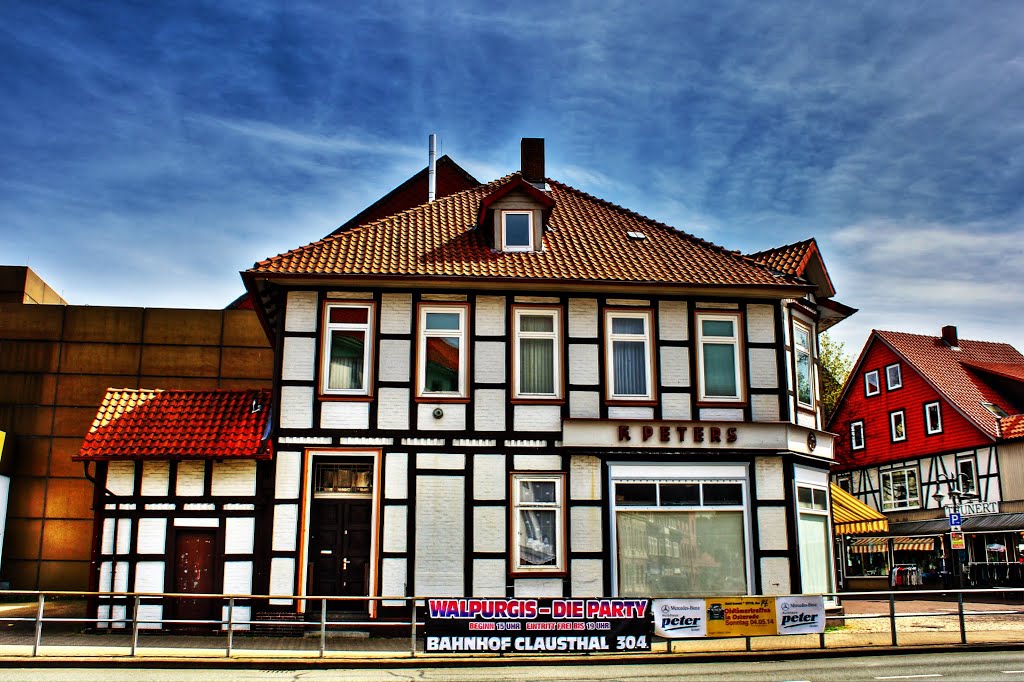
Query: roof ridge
{"x": 939, "y": 338}
{"x": 801, "y": 242}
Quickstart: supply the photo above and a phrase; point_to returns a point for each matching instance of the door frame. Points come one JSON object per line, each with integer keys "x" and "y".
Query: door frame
{"x": 375, "y": 456}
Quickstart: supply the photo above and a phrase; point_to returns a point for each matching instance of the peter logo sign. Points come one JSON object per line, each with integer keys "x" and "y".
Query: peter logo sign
{"x": 679, "y": 618}
{"x": 800, "y": 615}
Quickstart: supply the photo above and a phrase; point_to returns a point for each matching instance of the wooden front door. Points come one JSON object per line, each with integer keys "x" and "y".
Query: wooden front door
{"x": 339, "y": 545}
{"x": 193, "y": 573}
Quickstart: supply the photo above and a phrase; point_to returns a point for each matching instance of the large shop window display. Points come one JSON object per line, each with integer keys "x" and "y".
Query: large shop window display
{"x": 680, "y": 531}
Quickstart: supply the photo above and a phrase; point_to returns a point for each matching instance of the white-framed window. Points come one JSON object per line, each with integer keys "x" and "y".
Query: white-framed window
{"x": 815, "y": 539}
{"x": 347, "y": 355}
{"x": 804, "y": 374}
{"x": 893, "y": 377}
{"x": 517, "y": 230}
{"x": 680, "y": 537}
{"x": 719, "y": 362}
{"x": 845, "y": 482}
{"x": 538, "y": 523}
{"x": 628, "y": 355}
{"x": 933, "y": 418}
{"x": 967, "y": 475}
{"x": 537, "y": 356}
{"x": 994, "y": 409}
{"x": 897, "y": 426}
{"x": 900, "y": 489}
{"x": 442, "y": 355}
{"x": 871, "y": 385}
{"x": 857, "y": 435}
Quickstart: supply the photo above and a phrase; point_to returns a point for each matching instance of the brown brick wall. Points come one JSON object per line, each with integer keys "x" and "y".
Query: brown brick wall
{"x": 56, "y": 363}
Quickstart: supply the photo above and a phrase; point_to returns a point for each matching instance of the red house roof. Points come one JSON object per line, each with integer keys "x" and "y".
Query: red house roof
{"x": 155, "y": 424}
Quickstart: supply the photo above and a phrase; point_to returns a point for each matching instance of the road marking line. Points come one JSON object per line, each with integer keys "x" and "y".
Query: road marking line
{"x": 1013, "y": 672}
{"x": 907, "y": 677}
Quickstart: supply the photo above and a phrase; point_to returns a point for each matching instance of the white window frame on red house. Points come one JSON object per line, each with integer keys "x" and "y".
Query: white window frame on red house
{"x": 893, "y": 377}
{"x": 867, "y": 383}
{"x": 891, "y": 479}
{"x": 894, "y": 417}
{"x": 933, "y": 426}
{"x": 856, "y": 428}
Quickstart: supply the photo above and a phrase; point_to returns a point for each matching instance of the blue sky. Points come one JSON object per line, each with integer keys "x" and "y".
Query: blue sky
{"x": 152, "y": 150}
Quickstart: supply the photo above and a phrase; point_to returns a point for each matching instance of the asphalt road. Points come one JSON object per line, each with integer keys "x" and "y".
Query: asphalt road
{"x": 946, "y": 667}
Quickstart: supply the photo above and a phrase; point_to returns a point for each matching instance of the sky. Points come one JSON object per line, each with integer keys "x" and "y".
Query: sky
{"x": 152, "y": 150}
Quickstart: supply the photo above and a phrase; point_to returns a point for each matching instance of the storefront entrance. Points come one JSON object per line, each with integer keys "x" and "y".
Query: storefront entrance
{"x": 339, "y": 545}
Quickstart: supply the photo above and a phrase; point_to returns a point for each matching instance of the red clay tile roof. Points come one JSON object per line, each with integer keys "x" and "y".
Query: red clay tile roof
{"x": 949, "y": 371}
{"x": 155, "y": 424}
{"x": 585, "y": 240}
{"x": 790, "y": 259}
{"x": 1006, "y": 370}
{"x": 1012, "y": 426}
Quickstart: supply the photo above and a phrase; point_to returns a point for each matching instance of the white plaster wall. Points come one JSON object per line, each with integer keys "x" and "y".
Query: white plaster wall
{"x": 585, "y": 477}
{"x": 234, "y": 478}
{"x": 287, "y": 474}
{"x": 538, "y": 587}
{"x": 120, "y": 582}
{"x": 673, "y": 320}
{"x": 775, "y": 575}
{"x": 395, "y": 313}
{"x": 676, "y": 406}
{"x": 396, "y": 528}
{"x": 282, "y": 578}
{"x": 537, "y": 418}
{"x": 490, "y": 316}
{"x": 582, "y": 318}
{"x": 152, "y": 536}
{"x": 298, "y": 358}
{"x": 454, "y": 418}
{"x": 237, "y": 577}
{"x": 489, "y": 409}
{"x": 300, "y": 312}
{"x": 675, "y": 366}
{"x": 489, "y": 477}
{"x": 585, "y": 529}
{"x": 806, "y": 419}
{"x": 761, "y": 323}
{"x": 150, "y": 616}
{"x": 489, "y": 363}
{"x": 764, "y": 408}
{"x": 583, "y": 359}
{"x": 393, "y": 579}
{"x": 440, "y": 536}
{"x": 537, "y": 462}
{"x": 769, "y": 479}
{"x": 191, "y": 478}
{"x": 721, "y": 414}
{"x": 764, "y": 373}
{"x": 619, "y": 412}
{"x": 489, "y": 529}
{"x": 771, "y": 525}
{"x": 393, "y": 408}
{"x": 429, "y": 460}
{"x": 121, "y": 478}
{"x": 445, "y": 297}
{"x": 286, "y": 524}
{"x": 296, "y": 407}
{"x": 488, "y": 578}
{"x": 107, "y": 544}
{"x": 587, "y": 578}
{"x": 349, "y": 295}
{"x": 123, "y": 536}
{"x": 344, "y": 415}
{"x": 396, "y": 475}
{"x": 155, "y": 478}
{"x": 149, "y": 576}
{"x": 240, "y": 613}
{"x": 239, "y": 534}
{"x": 584, "y": 404}
{"x": 394, "y": 360}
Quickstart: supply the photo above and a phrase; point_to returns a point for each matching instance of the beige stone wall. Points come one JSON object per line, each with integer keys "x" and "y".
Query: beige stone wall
{"x": 56, "y": 363}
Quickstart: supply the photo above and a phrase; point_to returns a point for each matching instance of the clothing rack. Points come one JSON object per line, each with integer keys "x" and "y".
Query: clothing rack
{"x": 905, "y": 575}
{"x": 995, "y": 573}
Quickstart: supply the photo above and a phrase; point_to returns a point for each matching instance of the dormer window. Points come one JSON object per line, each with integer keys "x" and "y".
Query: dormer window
{"x": 517, "y": 230}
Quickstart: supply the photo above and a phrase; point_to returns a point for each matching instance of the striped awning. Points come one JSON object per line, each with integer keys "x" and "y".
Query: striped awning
{"x": 899, "y": 544}
{"x": 903, "y": 544}
{"x": 850, "y": 516}
{"x": 868, "y": 545}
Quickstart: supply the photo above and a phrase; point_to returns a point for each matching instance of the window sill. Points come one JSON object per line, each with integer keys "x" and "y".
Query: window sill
{"x": 631, "y": 402}
{"x": 539, "y": 573}
{"x": 334, "y": 397}
{"x": 722, "y": 403}
{"x": 440, "y": 399}
{"x": 538, "y": 401}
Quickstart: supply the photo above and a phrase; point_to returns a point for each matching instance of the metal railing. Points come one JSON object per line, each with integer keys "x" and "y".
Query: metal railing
{"x": 134, "y": 622}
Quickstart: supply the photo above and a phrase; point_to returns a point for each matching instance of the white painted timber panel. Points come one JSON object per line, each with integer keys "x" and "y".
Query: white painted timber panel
{"x": 489, "y": 477}
{"x": 584, "y": 404}
{"x": 775, "y": 575}
{"x": 298, "y": 358}
{"x": 107, "y": 546}
{"x": 300, "y": 314}
{"x": 585, "y": 529}
{"x": 440, "y": 536}
{"x": 537, "y": 462}
{"x": 761, "y": 323}
{"x": 429, "y": 460}
{"x": 282, "y": 578}
{"x": 489, "y": 363}
{"x": 239, "y": 534}
{"x": 123, "y": 537}
{"x": 673, "y": 320}
{"x": 764, "y": 408}
{"x": 237, "y": 577}
{"x": 538, "y": 587}
{"x": 538, "y": 418}
{"x": 286, "y": 524}
{"x": 234, "y": 479}
{"x": 675, "y": 367}
{"x": 721, "y": 414}
{"x": 287, "y": 474}
{"x": 155, "y": 478}
{"x": 393, "y": 580}
{"x": 240, "y": 613}
{"x": 121, "y": 478}
{"x": 489, "y": 529}
{"x": 344, "y": 415}
{"x": 587, "y": 578}
{"x": 490, "y": 316}
{"x": 393, "y": 409}
{"x": 488, "y": 578}
{"x": 676, "y": 406}
{"x": 619, "y": 412}
{"x": 191, "y": 479}
{"x": 453, "y": 419}
{"x": 769, "y": 479}
{"x": 585, "y": 477}
{"x": 394, "y": 360}
{"x": 150, "y": 616}
{"x": 296, "y": 407}
{"x": 395, "y": 313}
{"x": 152, "y": 536}
{"x": 771, "y": 524}
{"x": 396, "y": 528}
{"x": 582, "y": 318}
{"x": 149, "y": 576}
{"x": 764, "y": 373}
{"x": 489, "y": 409}
{"x": 396, "y": 475}
{"x": 583, "y": 359}
{"x": 806, "y": 419}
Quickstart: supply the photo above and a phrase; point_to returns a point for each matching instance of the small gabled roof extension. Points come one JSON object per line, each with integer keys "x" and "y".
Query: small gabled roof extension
{"x": 136, "y": 424}
{"x": 800, "y": 259}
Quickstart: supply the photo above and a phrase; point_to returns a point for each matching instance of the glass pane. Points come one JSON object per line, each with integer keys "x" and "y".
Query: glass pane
{"x": 346, "y": 368}
{"x": 716, "y": 328}
{"x": 820, "y": 499}
{"x": 537, "y": 492}
{"x": 630, "y": 371}
{"x": 680, "y": 494}
{"x": 720, "y": 370}
{"x": 537, "y": 370}
{"x": 635, "y": 494}
{"x": 913, "y": 494}
{"x": 443, "y": 321}
{"x": 871, "y": 382}
{"x": 537, "y": 537}
{"x": 537, "y": 323}
{"x": 442, "y": 370}
{"x": 723, "y": 493}
{"x": 966, "y": 471}
{"x": 348, "y": 315}
{"x": 804, "y": 498}
{"x": 680, "y": 554}
{"x": 517, "y": 229}
{"x": 627, "y": 325}
{"x": 815, "y": 564}
{"x": 803, "y": 377}
{"x": 802, "y": 338}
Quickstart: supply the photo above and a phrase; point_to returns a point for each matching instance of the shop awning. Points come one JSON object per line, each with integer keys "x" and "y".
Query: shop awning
{"x": 899, "y": 544}
{"x": 904, "y": 544}
{"x": 972, "y": 524}
{"x": 868, "y": 545}
{"x": 850, "y": 516}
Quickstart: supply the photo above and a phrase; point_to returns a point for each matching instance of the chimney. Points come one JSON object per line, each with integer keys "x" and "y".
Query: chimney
{"x": 533, "y": 160}
{"x": 432, "y": 169}
{"x": 949, "y": 336}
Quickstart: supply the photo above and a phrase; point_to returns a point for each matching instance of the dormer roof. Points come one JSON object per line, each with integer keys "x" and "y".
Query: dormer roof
{"x": 801, "y": 259}
{"x": 517, "y": 182}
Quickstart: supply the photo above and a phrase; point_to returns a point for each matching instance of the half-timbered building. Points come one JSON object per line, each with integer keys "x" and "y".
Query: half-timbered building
{"x": 522, "y": 390}
{"x": 929, "y": 426}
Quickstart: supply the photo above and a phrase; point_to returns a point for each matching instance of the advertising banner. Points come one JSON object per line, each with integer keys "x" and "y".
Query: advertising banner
{"x": 740, "y": 616}
{"x": 537, "y": 625}
{"x": 800, "y": 615}
{"x": 675, "y": 618}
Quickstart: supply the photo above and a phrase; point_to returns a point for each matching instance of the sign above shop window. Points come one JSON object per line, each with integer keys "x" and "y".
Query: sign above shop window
{"x": 974, "y": 508}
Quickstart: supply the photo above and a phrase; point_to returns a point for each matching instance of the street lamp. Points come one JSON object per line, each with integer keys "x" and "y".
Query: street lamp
{"x": 955, "y": 487}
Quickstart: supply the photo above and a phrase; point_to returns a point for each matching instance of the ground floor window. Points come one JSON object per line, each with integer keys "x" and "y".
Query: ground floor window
{"x": 538, "y": 524}
{"x": 815, "y": 541}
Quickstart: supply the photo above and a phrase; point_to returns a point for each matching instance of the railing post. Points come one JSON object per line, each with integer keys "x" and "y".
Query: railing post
{"x": 892, "y": 618}
{"x": 231, "y": 625}
{"x": 39, "y": 624}
{"x": 323, "y": 626}
{"x": 821, "y": 640}
{"x": 960, "y": 613}
{"x": 748, "y": 644}
{"x": 135, "y": 624}
{"x": 412, "y": 631}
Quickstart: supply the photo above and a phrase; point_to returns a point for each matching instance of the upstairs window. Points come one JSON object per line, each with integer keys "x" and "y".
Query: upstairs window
{"x": 718, "y": 357}
{"x": 804, "y": 376}
{"x": 517, "y": 230}
{"x": 871, "y": 385}
{"x": 537, "y": 353}
{"x": 933, "y": 418}
{"x": 628, "y": 348}
{"x": 347, "y": 354}
{"x": 441, "y": 353}
{"x": 898, "y": 426}
{"x": 967, "y": 476}
{"x": 857, "y": 435}
{"x": 893, "y": 377}
{"x": 994, "y": 409}
{"x": 900, "y": 489}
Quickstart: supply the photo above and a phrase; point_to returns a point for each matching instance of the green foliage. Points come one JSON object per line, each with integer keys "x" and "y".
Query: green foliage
{"x": 835, "y": 368}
